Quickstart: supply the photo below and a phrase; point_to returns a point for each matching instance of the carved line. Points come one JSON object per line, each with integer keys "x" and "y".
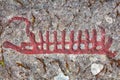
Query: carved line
{"x": 36, "y": 50}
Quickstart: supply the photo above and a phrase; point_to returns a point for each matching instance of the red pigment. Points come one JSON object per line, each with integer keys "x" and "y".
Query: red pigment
{"x": 105, "y": 45}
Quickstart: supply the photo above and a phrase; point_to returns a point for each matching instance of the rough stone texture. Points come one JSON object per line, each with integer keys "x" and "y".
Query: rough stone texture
{"x": 58, "y": 15}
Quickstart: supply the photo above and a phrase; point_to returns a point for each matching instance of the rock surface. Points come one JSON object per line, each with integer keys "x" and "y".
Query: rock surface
{"x": 59, "y": 15}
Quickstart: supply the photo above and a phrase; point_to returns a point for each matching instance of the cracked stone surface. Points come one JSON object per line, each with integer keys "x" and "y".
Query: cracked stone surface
{"x": 59, "y": 15}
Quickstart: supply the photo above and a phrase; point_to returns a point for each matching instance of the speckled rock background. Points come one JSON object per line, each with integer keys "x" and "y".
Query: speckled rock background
{"x": 59, "y": 15}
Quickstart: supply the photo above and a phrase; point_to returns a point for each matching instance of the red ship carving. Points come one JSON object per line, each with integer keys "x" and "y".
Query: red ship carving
{"x": 104, "y": 43}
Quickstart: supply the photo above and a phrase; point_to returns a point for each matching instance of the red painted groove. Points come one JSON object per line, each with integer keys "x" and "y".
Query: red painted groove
{"x": 105, "y": 45}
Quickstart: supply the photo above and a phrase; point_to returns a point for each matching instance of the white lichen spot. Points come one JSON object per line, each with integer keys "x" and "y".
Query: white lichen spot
{"x": 72, "y": 57}
{"x": 93, "y": 59}
{"x": 96, "y": 68}
{"x": 98, "y": 23}
{"x": 67, "y": 46}
{"x": 109, "y": 19}
{"x": 55, "y": 24}
{"x": 61, "y": 76}
{"x": 61, "y": 26}
{"x": 10, "y": 16}
{"x": 35, "y": 63}
{"x": 102, "y": 58}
